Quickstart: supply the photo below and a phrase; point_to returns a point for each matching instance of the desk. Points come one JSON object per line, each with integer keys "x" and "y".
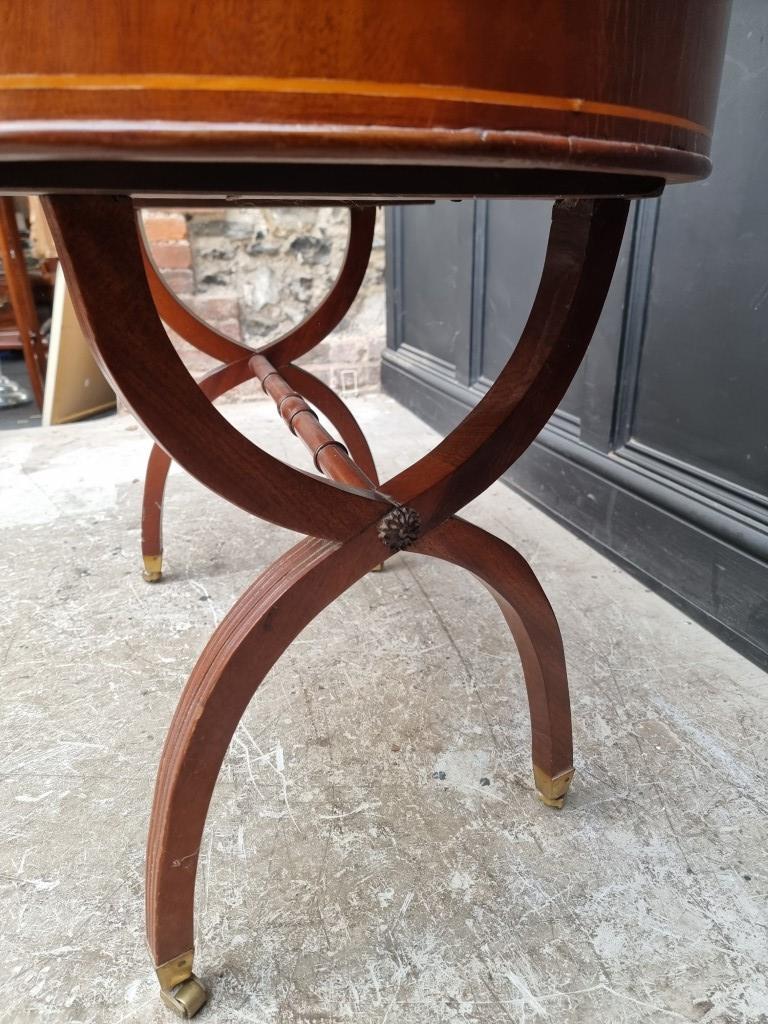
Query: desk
{"x": 356, "y": 102}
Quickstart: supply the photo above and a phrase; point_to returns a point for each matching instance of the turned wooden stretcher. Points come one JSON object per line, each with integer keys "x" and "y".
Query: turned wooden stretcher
{"x": 590, "y": 104}
{"x": 237, "y": 369}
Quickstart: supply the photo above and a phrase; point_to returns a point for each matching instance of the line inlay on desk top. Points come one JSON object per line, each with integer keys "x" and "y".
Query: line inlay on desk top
{"x": 337, "y": 87}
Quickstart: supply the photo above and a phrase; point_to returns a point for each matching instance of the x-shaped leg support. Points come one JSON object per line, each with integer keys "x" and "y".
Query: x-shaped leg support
{"x": 351, "y": 525}
{"x": 236, "y": 369}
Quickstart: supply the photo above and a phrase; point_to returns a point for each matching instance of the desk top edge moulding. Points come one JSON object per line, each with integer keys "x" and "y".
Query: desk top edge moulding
{"x": 105, "y": 107}
{"x": 487, "y": 93}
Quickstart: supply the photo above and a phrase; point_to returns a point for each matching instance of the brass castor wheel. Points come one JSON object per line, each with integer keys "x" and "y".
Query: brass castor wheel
{"x": 187, "y": 998}
{"x": 180, "y": 989}
{"x": 552, "y": 791}
{"x": 153, "y": 568}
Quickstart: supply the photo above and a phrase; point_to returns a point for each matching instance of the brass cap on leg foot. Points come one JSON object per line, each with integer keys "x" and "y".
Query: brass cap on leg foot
{"x": 153, "y": 568}
{"x": 180, "y": 989}
{"x": 551, "y": 790}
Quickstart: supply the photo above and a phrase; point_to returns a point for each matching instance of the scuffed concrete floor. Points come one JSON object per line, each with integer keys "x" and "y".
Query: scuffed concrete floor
{"x": 356, "y": 865}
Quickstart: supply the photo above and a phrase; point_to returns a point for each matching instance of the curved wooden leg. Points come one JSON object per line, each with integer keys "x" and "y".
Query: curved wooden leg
{"x": 584, "y": 241}
{"x": 158, "y": 466}
{"x": 214, "y": 384}
{"x": 234, "y": 663}
{"x": 298, "y": 339}
{"x": 94, "y": 234}
{"x": 519, "y": 595}
{"x": 247, "y": 644}
{"x": 21, "y": 299}
{"x": 361, "y": 524}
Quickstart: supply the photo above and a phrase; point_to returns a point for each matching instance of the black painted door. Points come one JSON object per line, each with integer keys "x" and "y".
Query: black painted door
{"x": 659, "y": 453}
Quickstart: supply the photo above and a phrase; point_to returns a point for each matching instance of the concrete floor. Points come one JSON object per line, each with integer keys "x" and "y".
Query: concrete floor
{"x": 375, "y": 852}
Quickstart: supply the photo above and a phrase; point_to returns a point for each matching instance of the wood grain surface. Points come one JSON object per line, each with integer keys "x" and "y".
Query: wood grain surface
{"x": 610, "y": 84}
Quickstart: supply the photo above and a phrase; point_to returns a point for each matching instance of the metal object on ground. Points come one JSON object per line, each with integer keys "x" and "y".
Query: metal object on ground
{"x": 153, "y": 568}
{"x": 180, "y": 989}
{"x": 552, "y": 791}
{"x": 11, "y": 393}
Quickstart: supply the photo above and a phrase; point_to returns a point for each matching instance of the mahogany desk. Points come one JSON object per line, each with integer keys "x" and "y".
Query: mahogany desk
{"x": 104, "y": 106}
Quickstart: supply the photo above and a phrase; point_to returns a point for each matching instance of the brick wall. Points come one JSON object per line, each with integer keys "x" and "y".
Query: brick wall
{"x": 253, "y": 273}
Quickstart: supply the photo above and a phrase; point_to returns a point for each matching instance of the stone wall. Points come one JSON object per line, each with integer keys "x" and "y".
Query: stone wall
{"x": 253, "y": 273}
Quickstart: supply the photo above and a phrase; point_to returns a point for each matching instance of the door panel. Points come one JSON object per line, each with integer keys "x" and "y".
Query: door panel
{"x": 516, "y": 239}
{"x": 436, "y": 306}
{"x": 702, "y": 394}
